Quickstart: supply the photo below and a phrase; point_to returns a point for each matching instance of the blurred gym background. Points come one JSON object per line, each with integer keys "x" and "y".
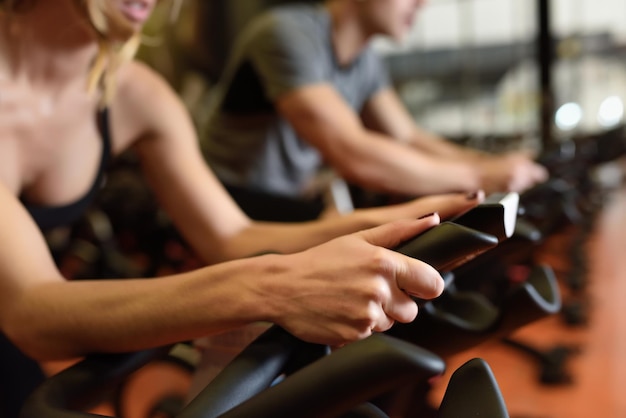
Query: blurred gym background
{"x": 493, "y": 74}
{"x": 469, "y": 68}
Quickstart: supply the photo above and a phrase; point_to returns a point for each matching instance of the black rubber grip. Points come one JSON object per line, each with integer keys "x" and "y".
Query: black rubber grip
{"x": 448, "y": 245}
{"x": 497, "y": 215}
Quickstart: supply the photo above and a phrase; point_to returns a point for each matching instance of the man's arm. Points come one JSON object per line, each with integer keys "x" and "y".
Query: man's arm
{"x": 385, "y": 113}
{"x": 511, "y": 171}
{"x": 366, "y": 157}
{"x": 362, "y": 150}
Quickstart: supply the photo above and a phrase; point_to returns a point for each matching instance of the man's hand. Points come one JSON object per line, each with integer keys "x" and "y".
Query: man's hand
{"x": 512, "y": 172}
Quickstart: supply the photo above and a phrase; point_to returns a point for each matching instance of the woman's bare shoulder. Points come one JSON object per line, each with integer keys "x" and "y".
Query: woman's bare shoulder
{"x": 138, "y": 81}
{"x": 142, "y": 98}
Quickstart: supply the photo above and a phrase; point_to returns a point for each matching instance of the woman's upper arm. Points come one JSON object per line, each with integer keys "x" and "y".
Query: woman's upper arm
{"x": 24, "y": 256}
{"x": 171, "y": 160}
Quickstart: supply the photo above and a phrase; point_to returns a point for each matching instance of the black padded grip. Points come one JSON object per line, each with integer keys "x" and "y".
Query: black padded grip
{"x": 448, "y": 245}
{"x": 473, "y": 387}
{"x": 497, "y": 215}
{"x": 327, "y": 387}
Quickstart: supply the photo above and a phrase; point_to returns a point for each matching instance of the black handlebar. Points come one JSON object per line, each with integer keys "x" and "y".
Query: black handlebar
{"x": 329, "y": 386}
{"x": 64, "y": 394}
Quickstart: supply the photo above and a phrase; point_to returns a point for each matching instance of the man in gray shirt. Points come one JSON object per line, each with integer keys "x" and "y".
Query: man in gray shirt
{"x": 303, "y": 89}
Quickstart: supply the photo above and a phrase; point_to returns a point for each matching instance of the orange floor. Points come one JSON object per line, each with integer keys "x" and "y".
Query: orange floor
{"x": 599, "y": 370}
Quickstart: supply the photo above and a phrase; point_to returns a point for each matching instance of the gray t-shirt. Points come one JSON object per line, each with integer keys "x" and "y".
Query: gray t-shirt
{"x": 247, "y": 143}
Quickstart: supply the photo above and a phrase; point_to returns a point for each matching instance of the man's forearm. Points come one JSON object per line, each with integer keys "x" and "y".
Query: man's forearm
{"x": 439, "y": 146}
{"x": 377, "y": 163}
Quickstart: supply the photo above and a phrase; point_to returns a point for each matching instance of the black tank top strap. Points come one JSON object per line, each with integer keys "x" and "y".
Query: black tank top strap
{"x": 48, "y": 217}
{"x": 104, "y": 128}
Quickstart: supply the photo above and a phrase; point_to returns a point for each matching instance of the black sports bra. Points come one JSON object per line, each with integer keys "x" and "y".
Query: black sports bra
{"x": 48, "y": 217}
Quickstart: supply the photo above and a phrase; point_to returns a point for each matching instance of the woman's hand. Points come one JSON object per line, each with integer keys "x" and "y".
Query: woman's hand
{"x": 446, "y": 205}
{"x": 346, "y": 289}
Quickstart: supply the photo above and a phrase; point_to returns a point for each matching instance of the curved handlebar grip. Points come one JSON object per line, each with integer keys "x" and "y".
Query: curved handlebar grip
{"x": 462, "y": 319}
{"x": 447, "y": 245}
{"x": 473, "y": 387}
{"x": 253, "y": 370}
{"x": 496, "y": 215}
{"x": 335, "y": 383}
{"x": 346, "y": 378}
{"x": 535, "y": 298}
{"x": 60, "y": 395}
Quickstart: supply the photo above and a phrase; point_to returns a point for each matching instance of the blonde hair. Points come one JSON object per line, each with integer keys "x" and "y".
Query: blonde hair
{"x": 118, "y": 42}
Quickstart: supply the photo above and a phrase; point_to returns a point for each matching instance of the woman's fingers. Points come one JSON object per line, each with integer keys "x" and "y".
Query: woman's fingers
{"x": 412, "y": 276}
{"x": 401, "y": 307}
{"x": 419, "y": 279}
{"x": 406, "y": 277}
{"x": 450, "y": 204}
{"x": 392, "y": 234}
{"x": 384, "y": 319}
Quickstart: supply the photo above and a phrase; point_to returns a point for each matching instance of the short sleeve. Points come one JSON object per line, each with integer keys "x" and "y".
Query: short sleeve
{"x": 375, "y": 74}
{"x": 284, "y": 54}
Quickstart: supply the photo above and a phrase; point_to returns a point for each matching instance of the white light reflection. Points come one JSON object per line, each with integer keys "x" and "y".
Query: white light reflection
{"x": 568, "y": 116}
{"x": 611, "y": 112}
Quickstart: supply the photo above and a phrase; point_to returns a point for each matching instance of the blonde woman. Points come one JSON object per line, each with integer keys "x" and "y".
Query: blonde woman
{"x": 71, "y": 98}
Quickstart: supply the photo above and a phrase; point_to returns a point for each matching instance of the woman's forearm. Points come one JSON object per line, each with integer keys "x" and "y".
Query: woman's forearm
{"x": 286, "y": 238}
{"x": 332, "y": 294}
{"x": 261, "y": 237}
{"x": 60, "y": 319}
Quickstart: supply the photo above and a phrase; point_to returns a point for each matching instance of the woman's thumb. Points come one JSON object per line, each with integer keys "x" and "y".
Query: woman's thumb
{"x": 392, "y": 234}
